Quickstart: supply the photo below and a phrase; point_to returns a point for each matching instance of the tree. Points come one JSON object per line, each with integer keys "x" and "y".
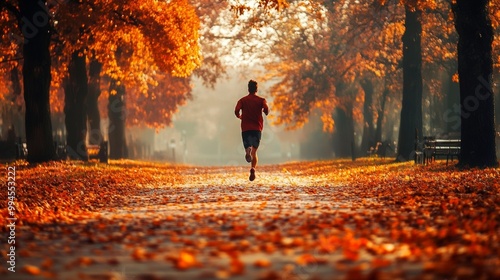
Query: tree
{"x": 76, "y": 89}
{"x": 411, "y": 111}
{"x": 34, "y": 24}
{"x": 75, "y": 109}
{"x": 93, "y": 114}
{"x": 116, "y": 114}
{"x": 381, "y": 73}
{"x": 368, "y": 113}
{"x": 475, "y": 67}
{"x": 495, "y": 20}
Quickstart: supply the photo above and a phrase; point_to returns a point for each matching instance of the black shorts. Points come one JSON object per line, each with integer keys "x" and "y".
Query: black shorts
{"x": 251, "y": 138}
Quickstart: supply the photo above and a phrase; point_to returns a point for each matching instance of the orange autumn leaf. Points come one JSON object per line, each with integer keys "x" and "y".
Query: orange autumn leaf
{"x": 306, "y": 259}
{"x": 351, "y": 255}
{"x": 31, "y": 269}
{"x": 82, "y": 261}
{"x": 139, "y": 254}
{"x": 47, "y": 263}
{"x": 379, "y": 263}
{"x": 185, "y": 260}
{"x": 262, "y": 263}
{"x": 237, "y": 267}
{"x": 328, "y": 244}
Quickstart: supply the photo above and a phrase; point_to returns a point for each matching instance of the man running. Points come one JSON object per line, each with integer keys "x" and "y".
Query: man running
{"x": 252, "y": 123}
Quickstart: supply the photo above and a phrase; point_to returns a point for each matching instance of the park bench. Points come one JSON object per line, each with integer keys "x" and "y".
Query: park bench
{"x": 99, "y": 152}
{"x": 434, "y": 148}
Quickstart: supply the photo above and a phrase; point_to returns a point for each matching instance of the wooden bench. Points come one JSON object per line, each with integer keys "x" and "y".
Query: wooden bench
{"x": 435, "y": 148}
{"x": 99, "y": 152}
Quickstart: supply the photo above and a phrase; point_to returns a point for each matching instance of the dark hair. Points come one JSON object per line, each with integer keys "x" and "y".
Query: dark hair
{"x": 252, "y": 86}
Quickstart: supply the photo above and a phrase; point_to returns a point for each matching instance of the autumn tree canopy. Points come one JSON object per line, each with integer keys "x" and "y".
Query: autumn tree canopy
{"x": 162, "y": 35}
{"x": 160, "y": 38}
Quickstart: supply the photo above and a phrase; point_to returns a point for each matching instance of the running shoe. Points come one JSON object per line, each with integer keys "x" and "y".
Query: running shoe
{"x": 252, "y": 174}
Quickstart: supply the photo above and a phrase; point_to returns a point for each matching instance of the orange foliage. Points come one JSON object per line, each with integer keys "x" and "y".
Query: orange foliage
{"x": 9, "y": 55}
{"x": 348, "y": 41}
{"x": 360, "y": 39}
{"x": 157, "y": 106}
{"x": 159, "y": 40}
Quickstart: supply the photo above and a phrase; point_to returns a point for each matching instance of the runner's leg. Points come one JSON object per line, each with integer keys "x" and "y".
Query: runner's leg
{"x": 254, "y": 139}
{"x": 247, "y": 145}
{"x": 254, "y": 164}
{"x": 254, "y": 157}
{"x": 248, "y": 154}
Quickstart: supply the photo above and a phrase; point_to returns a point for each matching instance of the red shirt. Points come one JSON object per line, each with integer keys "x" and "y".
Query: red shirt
{"x": 251, "y": 107}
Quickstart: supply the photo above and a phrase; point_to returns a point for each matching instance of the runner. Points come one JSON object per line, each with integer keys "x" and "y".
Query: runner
{"x": 251, "y": 106}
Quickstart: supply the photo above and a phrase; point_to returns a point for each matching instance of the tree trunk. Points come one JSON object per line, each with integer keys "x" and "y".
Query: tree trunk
{"x": 497, "y": 111}
{"x": 380, "y": 116}
{"x": 368, "y": 125}
{"x": 116, "y": 113}
{"x": 475, "y": 68}
{"x": 411, "y": 111}
{"x": 94, "y": 117}
{"x": 344, "y": 132}
{"x": 497, "y": 106}
{"x": 76, "y": 91}
{"x": 35, "y": 26}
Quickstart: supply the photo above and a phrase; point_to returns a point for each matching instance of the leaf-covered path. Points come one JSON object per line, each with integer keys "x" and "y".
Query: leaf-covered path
{"x": 369, "y": 219}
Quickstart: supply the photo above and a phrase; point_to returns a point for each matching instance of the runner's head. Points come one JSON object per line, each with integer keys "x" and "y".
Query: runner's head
{"x": 252, "y": 86}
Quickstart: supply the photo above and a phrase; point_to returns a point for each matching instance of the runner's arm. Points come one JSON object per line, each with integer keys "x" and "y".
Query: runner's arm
{"x": 237, "y": 109}
{"x": 265, "y": 107}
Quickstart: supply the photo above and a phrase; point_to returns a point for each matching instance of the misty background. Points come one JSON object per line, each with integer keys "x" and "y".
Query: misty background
{"x": 205, "y": 131}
